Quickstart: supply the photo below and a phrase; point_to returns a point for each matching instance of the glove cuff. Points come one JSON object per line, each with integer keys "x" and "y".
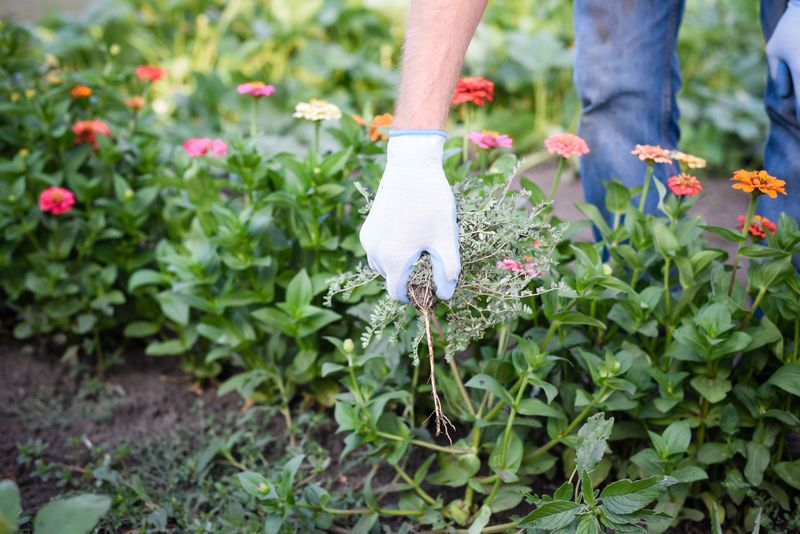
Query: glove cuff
{"x": 419, "y": 147}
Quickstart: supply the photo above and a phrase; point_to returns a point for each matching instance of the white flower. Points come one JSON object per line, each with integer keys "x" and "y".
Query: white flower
{"x": 317, "y": 110}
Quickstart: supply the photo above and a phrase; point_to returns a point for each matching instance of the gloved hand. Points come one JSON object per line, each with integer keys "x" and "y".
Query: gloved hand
{"x": 783, "y": 54}
{"x": 413, "y": 211}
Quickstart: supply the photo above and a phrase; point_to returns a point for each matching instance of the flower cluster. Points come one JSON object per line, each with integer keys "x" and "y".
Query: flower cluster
{"x": 56, "y": 200}
{"x": 317, "y": 110}
{"x": 203, "y": 146}
{"x": 566, "y": 145}
{"x": 476, "y": 90}
{"x": 529, "y": 267}
{"x": 759, "y": 226}
{"x": 489, "y": 139}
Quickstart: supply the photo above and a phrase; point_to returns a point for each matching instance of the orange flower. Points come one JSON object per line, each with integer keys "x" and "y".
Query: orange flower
{"x": 693, "y": 162}
{"x": 652, "y": 154}
{"x": 379, "y": 121}
{"x": 476, "y": 90}
{"x": 135, "y": 102}
{"x": 359, "y": 119}
{"x": 759, "y": 226}
{"x": 761, "y": 181}
{"x": 86, "y": 131}
{"x": 684, "y": 185}
{"x": 80, "y": 91}
{"x": 150, "y": 72}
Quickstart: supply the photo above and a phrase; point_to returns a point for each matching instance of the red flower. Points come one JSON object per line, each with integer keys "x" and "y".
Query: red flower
{"x": 759, "y": 226}
{"x": 684, "y": 185}
{"x": 475, "y": 90}
{"x": 86, "y": 131}
{"x": 150, "y": 72}
{"x": 56, "y": 200}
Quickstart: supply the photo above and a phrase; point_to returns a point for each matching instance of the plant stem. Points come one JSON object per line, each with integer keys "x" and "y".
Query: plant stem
{"x": 253, "y": 115}
{"x": 502, "y": 527}
{"x": 360, "y": 511}
{"x": 425, "y": 444}
{"x": 502, "y": 341}
{"x": 795, "y": 350}
{"x": 666, "y": 289}
{"x": 701, "y": 433}
{"x": 421, "y": 492}
{"x": 465, "y": 147}
{"x": 461, "y": 388}
{"x": 750, "y": 211}
{"x": 754, "y": 307}
{"x": 645, "y": 187}
{"x": 550, "y": 331}
{"x": 315, "y": 154}
{"x": 557, "y": 179}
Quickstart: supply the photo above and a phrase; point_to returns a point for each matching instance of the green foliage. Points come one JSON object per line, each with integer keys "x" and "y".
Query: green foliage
{"x": 73, "y": 515}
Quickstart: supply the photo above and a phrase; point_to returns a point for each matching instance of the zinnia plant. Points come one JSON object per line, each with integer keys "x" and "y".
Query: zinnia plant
{"x": 204, "y": 146}
{"x": 651, "y": 155}
{"x": 684, "y": 185}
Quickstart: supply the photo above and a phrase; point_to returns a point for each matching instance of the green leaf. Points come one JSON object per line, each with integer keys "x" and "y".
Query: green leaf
{"x": 482, "y": 519}
{"x": 626, "y": 497}
{"x": 141, "y": 329}
{"x": 713, "y": 389}
{"x": 787, "y": 378}
{"x": 551, "y": 516}
{"x": 10, "y": 506}
{"x": 725, "y": 233}
{"x": 594, "y": 215}
{"x": 255, "y": 484}
{"x": 145, "y": 277}
{"x": 677, "y": 437}
{"x": 592, "y": 438}
{"x": 513, "y": 458}
{"x": 538, "y": 408}
{"x": 576, "y": 317}
{"x": 299, "y": 292}
{"x": 174, "y": 307}
{"x": 666, "y": 243}
{"x": 588, "y": 525}
{"x": 757, "y": 462}
{"x": 789, "y": 473}
{"x": 76, "y": 515}
{"x": 487, "y": 383}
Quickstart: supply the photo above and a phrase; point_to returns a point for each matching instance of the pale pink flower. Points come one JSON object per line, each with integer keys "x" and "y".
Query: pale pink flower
{"x": 203, "y": 146}
{"x": 652, "y": 154}
{"x": 529, "y": 268}
{"x": 256, "y": 89}
{"x": 489, "y": 139}
{"x": 566, "y": 145}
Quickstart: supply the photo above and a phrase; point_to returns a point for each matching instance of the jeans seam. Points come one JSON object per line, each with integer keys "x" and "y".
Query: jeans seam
{"x": 669, "y": 52}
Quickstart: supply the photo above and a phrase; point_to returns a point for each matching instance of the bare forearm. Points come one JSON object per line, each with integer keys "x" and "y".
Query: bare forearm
{"x": 438, "y": 34}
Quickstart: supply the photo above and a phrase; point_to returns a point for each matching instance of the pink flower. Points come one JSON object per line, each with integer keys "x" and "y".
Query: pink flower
{"x": 515, "y": 267}
{"x": 684, "y": 185}
{"x": 56, "y": 200}
{"x": 489, "y": 139}
{"x": 652, "y": 154}
{"x": 202, "y": 146}
{"x": 86, "y": 131}
{"x": 566, "y": 145}
{"x": 150, "y": 72}
{"x": 256, "y": 89}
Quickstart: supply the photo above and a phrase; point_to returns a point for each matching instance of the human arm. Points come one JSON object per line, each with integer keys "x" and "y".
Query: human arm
{"x": 414, "y": 210}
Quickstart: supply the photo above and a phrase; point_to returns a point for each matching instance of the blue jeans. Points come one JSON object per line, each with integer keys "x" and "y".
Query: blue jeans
{"x": 627, "y": 75}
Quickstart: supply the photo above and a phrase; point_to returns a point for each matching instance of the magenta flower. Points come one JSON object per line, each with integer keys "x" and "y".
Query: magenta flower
{"x": 203, "y": 146}
{"x": 256, "y": 89}
{"x": 515, "y": 267}
{"x": 488, "y": 139}
{"x": 566, "y": 145}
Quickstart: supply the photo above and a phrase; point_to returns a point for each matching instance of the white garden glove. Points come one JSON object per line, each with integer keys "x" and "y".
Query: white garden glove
{"x": 783, "y": 54}
{"x": 414, "y": 211}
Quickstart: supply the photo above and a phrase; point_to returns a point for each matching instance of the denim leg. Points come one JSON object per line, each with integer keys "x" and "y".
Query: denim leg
{"x": 627, "y": 76}
{"x": 782, "y": 151}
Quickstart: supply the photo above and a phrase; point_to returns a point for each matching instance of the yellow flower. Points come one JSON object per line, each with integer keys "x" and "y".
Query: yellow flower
{"x": 29, "y": 93}
{"x": 693, "y": 162}
{"x": 317, "y": 110}
{"x": 761, "y": 181}
{"x": 24, "y": 152}
{"x": 14, "y": 97}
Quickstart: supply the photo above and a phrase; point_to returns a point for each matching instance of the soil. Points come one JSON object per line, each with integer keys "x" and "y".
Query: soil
{"x": 145, "y": 397}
